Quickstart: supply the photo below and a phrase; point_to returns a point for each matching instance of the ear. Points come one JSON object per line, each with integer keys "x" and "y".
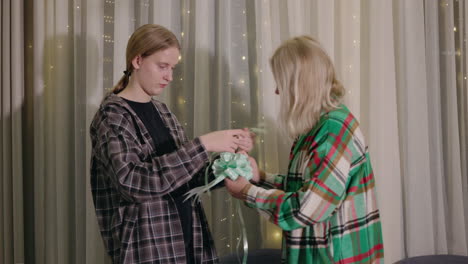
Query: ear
{"x": 136, "y": 62}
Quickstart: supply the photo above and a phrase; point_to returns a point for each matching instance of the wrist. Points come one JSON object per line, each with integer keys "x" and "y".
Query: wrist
{"x": 244, "y": 191}
{"x": 204, "y": 142}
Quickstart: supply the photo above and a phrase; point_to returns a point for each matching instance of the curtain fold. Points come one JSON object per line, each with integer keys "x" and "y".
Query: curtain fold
{"x": 435, "y": 127}
{"x": 403, "y": 64}
{"x": 456, "y": 234}
{"x": 379, "y": 118}
{"x": 11, "y": 140}
{"x": 95, "y": 80}
{"x": 413, "y": 124}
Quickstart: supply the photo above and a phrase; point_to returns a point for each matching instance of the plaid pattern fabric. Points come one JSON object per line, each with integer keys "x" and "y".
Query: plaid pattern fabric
{"x": 326, "y": 204}
{"x": 132, "y": 187}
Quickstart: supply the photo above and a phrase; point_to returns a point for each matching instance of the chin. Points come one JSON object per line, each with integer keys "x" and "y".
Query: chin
{"x": 156, "y": 92}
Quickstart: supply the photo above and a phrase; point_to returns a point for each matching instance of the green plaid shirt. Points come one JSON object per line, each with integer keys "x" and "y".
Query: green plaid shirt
{"x": 326, "y": 204}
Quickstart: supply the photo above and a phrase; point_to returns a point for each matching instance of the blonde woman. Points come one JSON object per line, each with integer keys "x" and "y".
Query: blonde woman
{"x": 326, "y": 204}
{"x": 142, "y": 163}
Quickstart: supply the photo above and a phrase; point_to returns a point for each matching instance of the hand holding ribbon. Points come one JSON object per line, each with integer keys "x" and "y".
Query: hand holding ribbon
{"x": 228, "y": 165}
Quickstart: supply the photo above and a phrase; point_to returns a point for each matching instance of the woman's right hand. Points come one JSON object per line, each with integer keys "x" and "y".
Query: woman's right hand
{"x": 224, "y": 140}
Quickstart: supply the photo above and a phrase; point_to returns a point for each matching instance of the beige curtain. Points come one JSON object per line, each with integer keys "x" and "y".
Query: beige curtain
{"x": 403, "y": 64}
{"x": 12, "y": 141}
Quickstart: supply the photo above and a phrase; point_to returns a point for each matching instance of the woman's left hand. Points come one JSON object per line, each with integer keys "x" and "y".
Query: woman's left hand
{"x": 235, "y": 187}
{"x": 246, "y": 143}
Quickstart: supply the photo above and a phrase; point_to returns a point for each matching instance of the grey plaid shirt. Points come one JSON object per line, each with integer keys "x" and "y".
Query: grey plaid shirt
{"x": 131, "y": 187}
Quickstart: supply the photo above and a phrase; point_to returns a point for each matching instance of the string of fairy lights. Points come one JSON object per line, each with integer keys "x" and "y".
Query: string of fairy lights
{"x": 240, "y": 106}
{"x": 242, "y": 81}
{"x": 108, "y": 20}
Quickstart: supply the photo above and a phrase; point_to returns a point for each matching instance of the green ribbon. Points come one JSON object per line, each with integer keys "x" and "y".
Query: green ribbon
{"x": 228, "y": 165}
{"x": 244, "y": 234}
{"x": 232, "y": 165}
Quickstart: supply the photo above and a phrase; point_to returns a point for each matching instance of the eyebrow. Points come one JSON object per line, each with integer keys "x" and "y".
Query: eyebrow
{"x": 166, "y": 64}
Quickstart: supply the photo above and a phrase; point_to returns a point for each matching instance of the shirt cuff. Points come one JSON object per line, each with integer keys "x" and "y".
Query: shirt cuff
{"x": 204, "y": 153}
{"x": 267, "y": 181}
{"x": 268, "y": 177}
{"x": 249, "y": 194}
{"x": 195, "y": 153}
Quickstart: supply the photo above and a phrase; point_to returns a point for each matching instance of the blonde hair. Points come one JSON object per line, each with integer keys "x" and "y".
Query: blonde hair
{"x": 306, "y": 82}
{"x": 145, "y": 41}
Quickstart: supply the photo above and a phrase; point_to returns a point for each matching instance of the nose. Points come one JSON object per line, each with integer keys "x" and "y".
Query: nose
{"x": 168, "y": 76}
{"x": 276, "y": 90}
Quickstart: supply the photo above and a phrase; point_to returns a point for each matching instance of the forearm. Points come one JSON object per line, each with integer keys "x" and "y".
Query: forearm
{"x": 276, "y": 205}
{"x": 142, "y": 180}
{"x": 291, "y": 210}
